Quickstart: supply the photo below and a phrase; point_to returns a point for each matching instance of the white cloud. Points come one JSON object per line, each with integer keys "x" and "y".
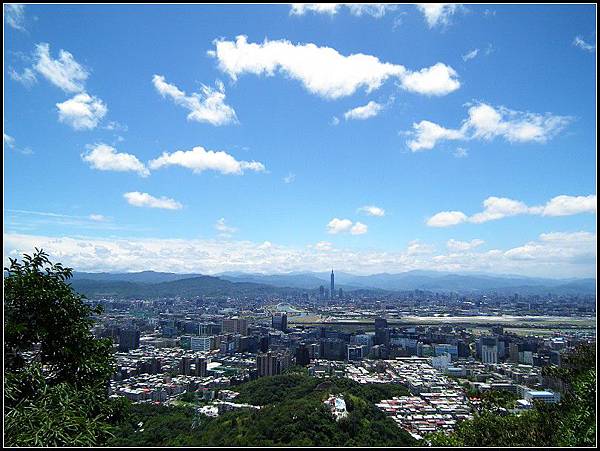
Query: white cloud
{"x": 199, "y": 159}
{"x": 106, "y": 158}
{"x": 359, "y": 229}
{"x": 339, "y": 225}
{"x": 324, "y": 246}
{"x": 568, "y": 205}
{"x": 299, "y": 9}
{"x": 376, "y": 10}
{"x": 470, "y": 55}
{"x": 416, "y": 247}
{"x": 437, "y": 80}
{"x": 437, "y": 13}
{"x": 551, "y": 255}
{"x": 428, "y": 134}
{"x": 138, "y": 199}
{"x": 371, "y": 109}
{"x": 64, "y": 72}
{"x": 579, "y": 42}
{"x": 82, "y": 112}
{"x": 460, "y": 246}
{"x": 14, "y": 14}
{"x": 498, "y": 208}
{"x": 325, "y": 72}
{"x": 372, "y": 210}
{"x": 10, "y": 142}
{"x": 97, "y": 217}
{"x": 208, "y": 106}
{"x": 26, "y": 78}
{"x": 335, "y": 121}
{"x": 446, "y": 219}
{"x": 486, "y": 122}
{"x": 461, "y": 152}
{"x": 224, "y": 229}
{"x": 501, "y": 207}
{"x": 289, "y": 178}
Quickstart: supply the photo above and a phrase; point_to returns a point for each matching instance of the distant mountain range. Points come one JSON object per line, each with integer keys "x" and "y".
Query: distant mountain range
{"x": 152, "y": 284}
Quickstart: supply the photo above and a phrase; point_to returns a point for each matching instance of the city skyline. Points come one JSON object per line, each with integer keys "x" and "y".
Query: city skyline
{"x": 367, "y": 138}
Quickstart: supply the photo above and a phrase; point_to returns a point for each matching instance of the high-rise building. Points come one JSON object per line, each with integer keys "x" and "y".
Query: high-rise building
{"x": 279, "y": 321}
{"x": 235, "y": 325}
{"x": 200, "y": 366}
{"x": 272, "y": 363}
{"x": 129, "y": 339}
{"x": 332, "y": 291}
{"x": 489, "y": 350}
{"x": 321, "y": 292}
{"x": 382, "y": 333}
{"x": 355, "y": 353}
{"x": 302, "y": 355}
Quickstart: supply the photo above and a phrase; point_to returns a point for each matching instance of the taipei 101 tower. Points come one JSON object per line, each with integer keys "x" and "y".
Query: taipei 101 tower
{"x": 332, "y": 292}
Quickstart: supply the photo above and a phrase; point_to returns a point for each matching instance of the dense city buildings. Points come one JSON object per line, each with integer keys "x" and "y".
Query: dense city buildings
{"x": 441, "y": 355}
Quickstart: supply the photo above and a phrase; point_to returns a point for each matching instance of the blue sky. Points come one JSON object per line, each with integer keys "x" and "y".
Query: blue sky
{"x": 279, "y": 138}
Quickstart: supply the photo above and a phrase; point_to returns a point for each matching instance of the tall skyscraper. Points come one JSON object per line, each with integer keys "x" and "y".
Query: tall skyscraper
{"x": 129, "y": 339}
{"x": 332, "y": 291}
{"x": 279, "y": 321}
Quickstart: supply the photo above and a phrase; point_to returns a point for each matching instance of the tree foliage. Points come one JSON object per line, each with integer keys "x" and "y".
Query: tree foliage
{"x": 572, "y": 422}
{"x": 292, "y": 414}
{"x": 56, "y": 372}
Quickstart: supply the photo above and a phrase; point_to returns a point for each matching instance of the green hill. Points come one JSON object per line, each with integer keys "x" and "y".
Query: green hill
{"x": 292, "y": 414}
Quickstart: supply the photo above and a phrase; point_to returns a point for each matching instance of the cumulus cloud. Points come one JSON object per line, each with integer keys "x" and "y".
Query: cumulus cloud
{"x": 371, "y": 109}
{"x": 502, "y": 207}
{"x": 138, "y": 199}
{"x": 485, "y": 123}
{"x": 337, "y": 225}
{"x": 427, "y": 134}
{"x": 461, "y": 246}
{"x": 82, "y": 112}
{"x": 579, "y": 42}
{"x": 106, "y": 158}
{"x": 567, "y": 205}
{"x": 436, "y": 80}
{"x": 446, "y": 219}
{"x": 14, "y": 15}
{"x": 208, "y": 106}
{"x": 372, "y": 210}
{"x": 437, "y": 14}
{"x": 551, "y": 255}
{"x": 324, "y": 71}
{"x": 359, "y": 228}
{"x": 199, "y": 159}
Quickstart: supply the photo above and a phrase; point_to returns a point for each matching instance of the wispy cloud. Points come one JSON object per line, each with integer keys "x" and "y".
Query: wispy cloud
{"x": 486, "y": 122}
{"x": 207, "y": 106}
{"x": 579, "y": 42}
